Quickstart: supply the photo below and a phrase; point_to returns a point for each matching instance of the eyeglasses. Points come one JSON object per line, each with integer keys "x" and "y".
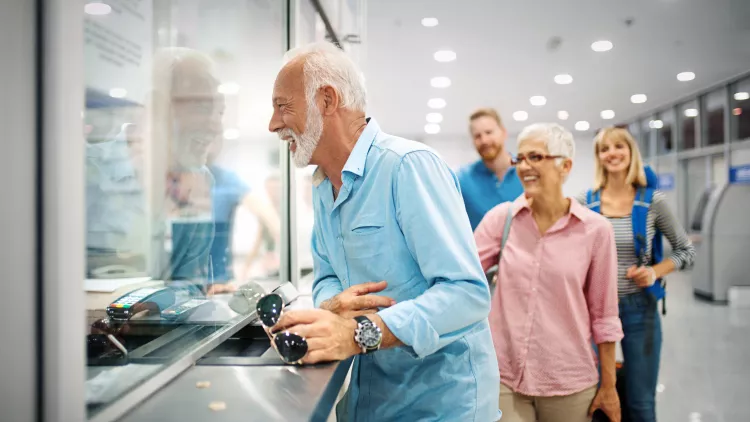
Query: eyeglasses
{"x": 290, "y": 347}
{"x": 533, "y": 158}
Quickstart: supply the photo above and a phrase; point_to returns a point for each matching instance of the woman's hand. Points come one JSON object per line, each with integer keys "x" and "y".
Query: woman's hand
{"x": 609, "y": 402}
{"x": 641, "y": 276}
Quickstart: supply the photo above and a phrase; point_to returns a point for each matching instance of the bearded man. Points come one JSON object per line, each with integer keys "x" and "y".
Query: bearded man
{"x": 397, "y": 278}
{"x": 491, "y": 180}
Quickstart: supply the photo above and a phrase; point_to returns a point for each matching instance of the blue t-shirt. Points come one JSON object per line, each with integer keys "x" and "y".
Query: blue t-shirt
{"x": 227, "y": 194}
{"x": 482, "y": 190}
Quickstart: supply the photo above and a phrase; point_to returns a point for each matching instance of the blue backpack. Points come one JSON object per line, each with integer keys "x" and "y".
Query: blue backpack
{"x": 639, "y": 215}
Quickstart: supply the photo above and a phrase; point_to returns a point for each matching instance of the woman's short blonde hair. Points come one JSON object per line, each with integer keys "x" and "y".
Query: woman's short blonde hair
{"x": 636, "y": 173}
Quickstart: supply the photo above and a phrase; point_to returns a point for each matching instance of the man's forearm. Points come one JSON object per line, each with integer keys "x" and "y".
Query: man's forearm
{"x": 607, "y": 361}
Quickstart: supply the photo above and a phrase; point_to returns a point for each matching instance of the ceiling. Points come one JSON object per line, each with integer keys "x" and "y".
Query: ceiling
{"x": 503, "y": 57}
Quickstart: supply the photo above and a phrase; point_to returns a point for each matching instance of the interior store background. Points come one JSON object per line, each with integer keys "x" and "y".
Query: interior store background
{"x": 90, "y": 72}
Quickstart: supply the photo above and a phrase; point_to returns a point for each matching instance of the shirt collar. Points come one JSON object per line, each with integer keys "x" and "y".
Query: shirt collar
{"x": 576, "y": 209}
{"x": 355, "y": 164}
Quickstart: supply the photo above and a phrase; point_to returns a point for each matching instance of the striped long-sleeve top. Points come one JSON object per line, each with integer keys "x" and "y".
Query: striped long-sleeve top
{"x": 659, "y": 216}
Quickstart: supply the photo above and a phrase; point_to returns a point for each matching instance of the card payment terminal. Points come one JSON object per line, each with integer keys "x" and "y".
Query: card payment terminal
{"x": 148, "y": 298}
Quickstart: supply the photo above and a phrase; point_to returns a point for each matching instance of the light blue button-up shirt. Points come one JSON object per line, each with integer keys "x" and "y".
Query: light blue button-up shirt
{"x": 399, "y": 217}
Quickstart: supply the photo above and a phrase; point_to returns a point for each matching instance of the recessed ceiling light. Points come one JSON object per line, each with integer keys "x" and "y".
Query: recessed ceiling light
{"x": 118, "y": 92}
{"x": 656, "y": 124}
{"x": 434, "y": 118}
{"x": 436, "y": 103}
{"x": 432, "y": 128}
{"x": 231, "y": 134}
{"x": 229, "y": 88}
{"x": 430, "y": 22}
{"x": 538, "y": 100}
{"x": 741, "y": 96}
{"x": 685, "y": 76}
{"x": 562, "y": 115}
{"x": 445, "y": 56}
{"x": 97, "y": 8}
{"x": 520, "y": 116}
{"x": 601, "y": 46}
{"x": 563, "y": 79}
{"x": 638, "y": 98}
{"x": 440, "y": 82}
{"x": 607, "y": 114}
{"x": 691, "y": 112}
{"x": 582, "y": 126}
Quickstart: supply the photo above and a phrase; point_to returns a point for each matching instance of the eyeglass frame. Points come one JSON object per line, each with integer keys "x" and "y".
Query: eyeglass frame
{"x": 515, "y": 161}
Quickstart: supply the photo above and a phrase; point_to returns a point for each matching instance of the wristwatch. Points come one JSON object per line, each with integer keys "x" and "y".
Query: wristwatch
{"x": 367, "y": 335}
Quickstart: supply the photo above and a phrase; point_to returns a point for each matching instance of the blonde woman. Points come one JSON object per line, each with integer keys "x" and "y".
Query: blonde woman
{"x": 639, "y": 215}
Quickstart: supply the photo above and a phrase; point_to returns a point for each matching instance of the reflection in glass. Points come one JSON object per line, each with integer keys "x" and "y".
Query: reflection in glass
{"x": 177, "y": 160}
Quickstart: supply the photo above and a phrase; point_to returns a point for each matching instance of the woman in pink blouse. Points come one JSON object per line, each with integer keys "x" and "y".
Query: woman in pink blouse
{"x": 556, "y": 291}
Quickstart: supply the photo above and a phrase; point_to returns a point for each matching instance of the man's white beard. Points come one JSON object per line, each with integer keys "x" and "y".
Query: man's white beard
{"x": 308, "y": 141}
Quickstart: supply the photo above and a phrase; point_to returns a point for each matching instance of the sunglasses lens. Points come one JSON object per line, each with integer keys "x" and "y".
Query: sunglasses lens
{"x": 269, "y": 309}
{"x": 291, "y": 347}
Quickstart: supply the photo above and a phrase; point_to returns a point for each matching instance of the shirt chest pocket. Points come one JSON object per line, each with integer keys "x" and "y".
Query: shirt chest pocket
{"x": 366, "y": 237}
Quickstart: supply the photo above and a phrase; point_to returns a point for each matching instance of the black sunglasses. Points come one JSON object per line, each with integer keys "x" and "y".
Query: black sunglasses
{"x": 290, "y": 347}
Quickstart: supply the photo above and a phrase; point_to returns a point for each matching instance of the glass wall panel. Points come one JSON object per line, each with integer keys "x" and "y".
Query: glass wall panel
{"x": 182, "y": 177}
{"x": 687, "y": 118}
{"x": 714, "y": 118}
{"x": 645, "y": 137}
{"x": 664, "y": 125}
{"x": 740, "y": 106}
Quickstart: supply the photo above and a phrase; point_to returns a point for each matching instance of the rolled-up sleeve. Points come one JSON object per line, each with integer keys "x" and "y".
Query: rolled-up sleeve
{"x": 325, "y": 284}
{"x": 432, "y": 217}
{"x": 601, "y": 287}
{"x": 683, "y": 251}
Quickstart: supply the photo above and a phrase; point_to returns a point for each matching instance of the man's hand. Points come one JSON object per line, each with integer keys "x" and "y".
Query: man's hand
{"x": 607, "y": 400}
{"x": 218, "y": 288}
{"x": 357, "y": 300}
{"x": 329, "y": 337}
{"x": 642, "y": 276}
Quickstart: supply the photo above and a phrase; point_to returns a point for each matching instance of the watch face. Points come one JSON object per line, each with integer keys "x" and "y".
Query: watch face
{"x": 370, "y": 336}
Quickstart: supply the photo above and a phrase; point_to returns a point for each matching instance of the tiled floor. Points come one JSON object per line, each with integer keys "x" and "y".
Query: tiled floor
{"x": 705, "y": 359}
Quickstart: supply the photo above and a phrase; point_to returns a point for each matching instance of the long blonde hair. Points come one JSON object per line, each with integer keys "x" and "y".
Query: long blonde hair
{"x": 636, "y": 173}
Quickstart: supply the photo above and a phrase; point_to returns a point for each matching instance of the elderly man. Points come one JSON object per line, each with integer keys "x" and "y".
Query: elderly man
{"x": 388, "y": 209}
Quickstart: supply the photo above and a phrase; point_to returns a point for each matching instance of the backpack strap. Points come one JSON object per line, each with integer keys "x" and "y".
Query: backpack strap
{"x": 643, "y": 199}
{"x": 594, "y": 200}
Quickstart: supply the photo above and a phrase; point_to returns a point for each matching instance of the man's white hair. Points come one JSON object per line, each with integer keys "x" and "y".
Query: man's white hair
{"x": 326, "y": 64}
{"x": 557, "y": 139}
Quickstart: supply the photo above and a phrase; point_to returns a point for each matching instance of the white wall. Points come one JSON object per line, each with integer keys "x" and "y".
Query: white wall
{"x": 18, "y": 315}
{"x": 458, "y": 151}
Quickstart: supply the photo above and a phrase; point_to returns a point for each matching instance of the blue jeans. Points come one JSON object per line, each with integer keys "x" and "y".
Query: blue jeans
{"x": 641, "y": 348}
